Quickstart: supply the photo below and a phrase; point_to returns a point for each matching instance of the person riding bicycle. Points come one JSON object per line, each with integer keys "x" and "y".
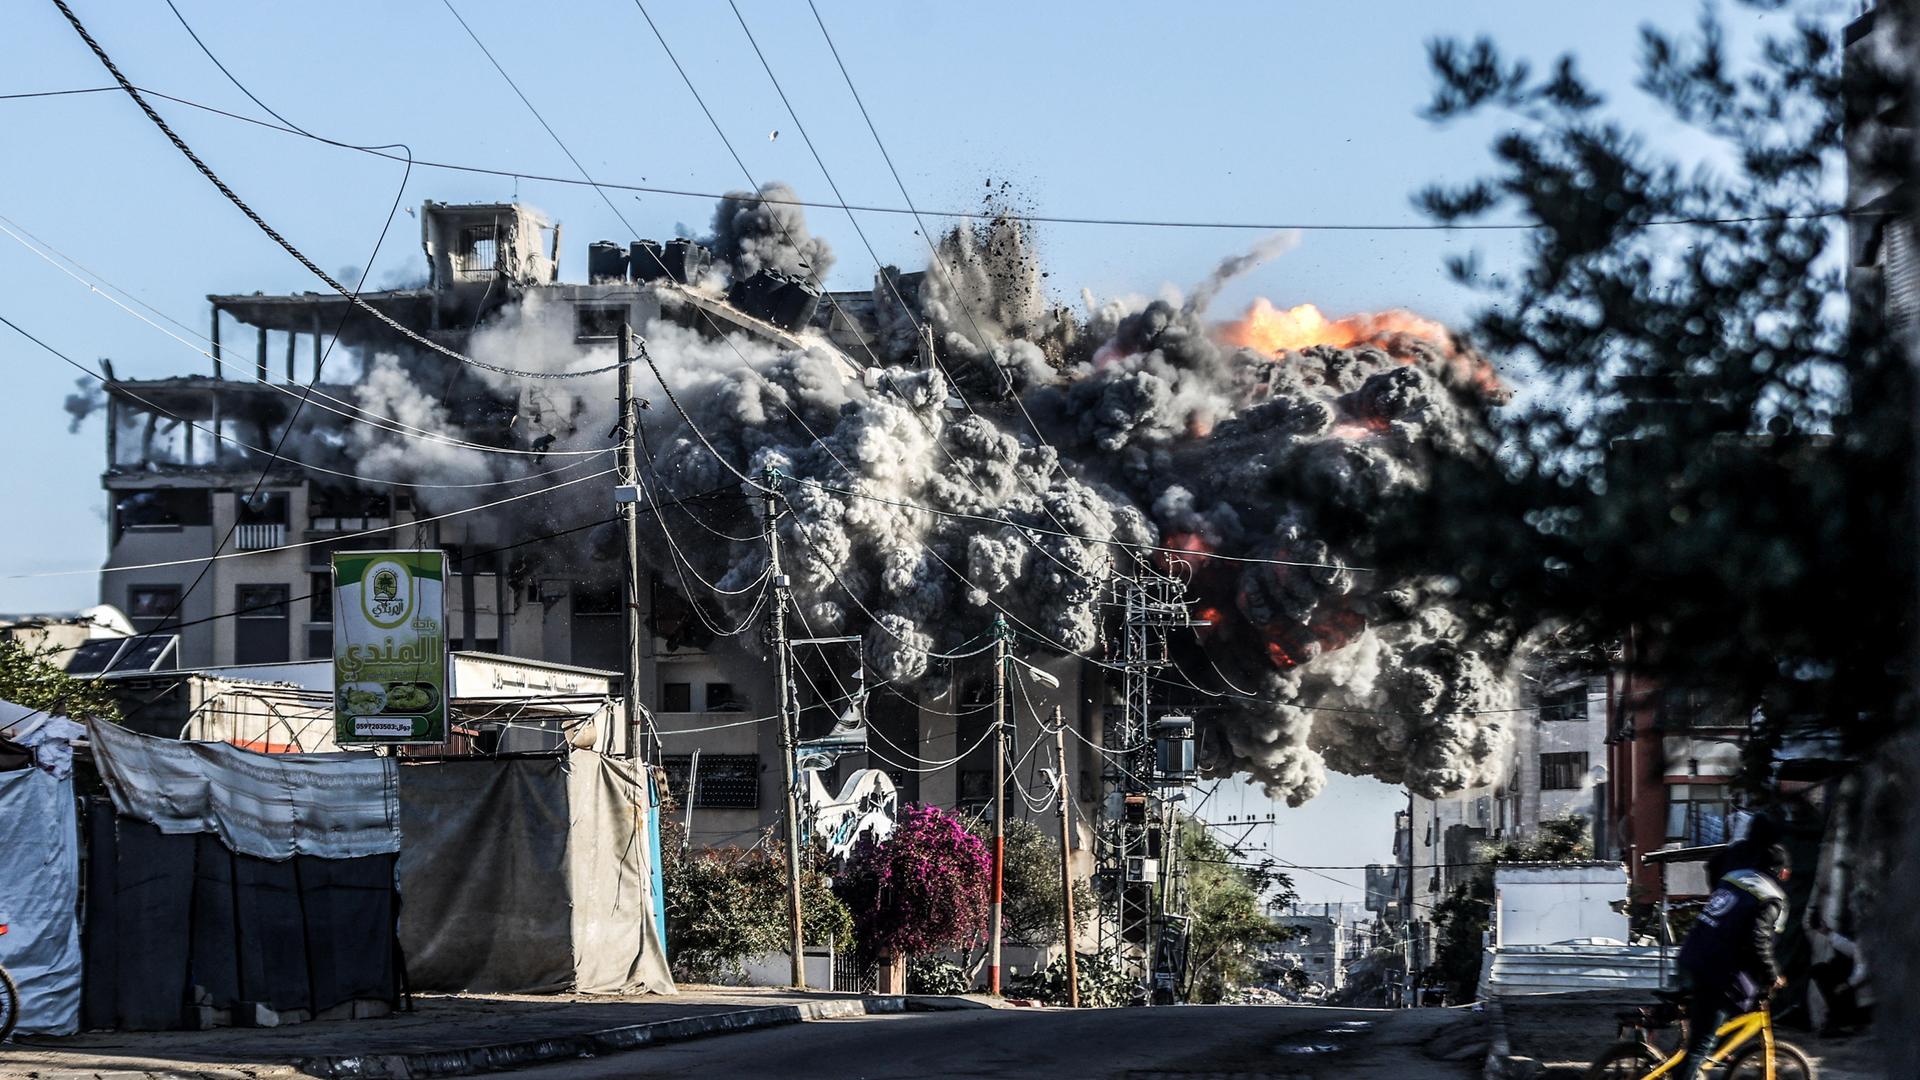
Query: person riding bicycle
{"x": 1727, "y": 963}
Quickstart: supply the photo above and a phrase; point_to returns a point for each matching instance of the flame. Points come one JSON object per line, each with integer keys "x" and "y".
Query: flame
{"x": 1272, "y": 330}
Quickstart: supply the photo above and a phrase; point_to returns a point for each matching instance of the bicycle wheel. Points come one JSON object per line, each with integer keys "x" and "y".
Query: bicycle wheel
{"x": 1625, "y": 1061}
{"x": 9, "y": 1004}
{"x": 1751, "y": 1063}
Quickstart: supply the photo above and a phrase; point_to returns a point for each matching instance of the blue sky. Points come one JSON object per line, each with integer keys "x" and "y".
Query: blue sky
{"x": 1279, "y": 111}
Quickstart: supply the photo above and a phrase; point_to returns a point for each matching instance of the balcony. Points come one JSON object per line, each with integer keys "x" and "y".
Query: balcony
{"x": 259, "y": 537}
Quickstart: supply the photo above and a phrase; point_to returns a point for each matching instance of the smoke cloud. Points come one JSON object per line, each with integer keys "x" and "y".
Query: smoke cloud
{"x": 751, "y": 234}
{"x": 912, "y": 521}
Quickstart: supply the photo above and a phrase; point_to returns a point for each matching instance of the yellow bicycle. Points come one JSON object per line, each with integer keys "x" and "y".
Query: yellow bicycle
{"x": 1738, "y": 1053}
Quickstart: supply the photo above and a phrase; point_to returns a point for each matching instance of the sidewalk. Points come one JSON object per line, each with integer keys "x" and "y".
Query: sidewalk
{"x": 445, "y": 1035}
{"x": 1556, "y": 1036}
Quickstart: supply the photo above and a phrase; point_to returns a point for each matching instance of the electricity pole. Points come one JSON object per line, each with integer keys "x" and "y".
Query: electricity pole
{"x": 1066, "y": 860}
{"x": 628, "y": 461}
{"x": 999, "y": 799}
{"x": 782, "y": 596}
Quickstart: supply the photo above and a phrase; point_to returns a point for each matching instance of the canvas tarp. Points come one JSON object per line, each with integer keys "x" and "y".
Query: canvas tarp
{"x": 39, "y": 890}
{"x": 270, "y": 806}
{"x": 528, "y": 875}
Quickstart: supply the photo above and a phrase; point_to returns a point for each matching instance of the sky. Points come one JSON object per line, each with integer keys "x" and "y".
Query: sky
{"x": 1281, "y": 111}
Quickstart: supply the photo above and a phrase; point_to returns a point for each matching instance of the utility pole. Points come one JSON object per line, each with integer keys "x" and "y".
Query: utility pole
{"x": 627, "y": 458}
{"x": 999, "y": 799}
{"x": 1066, "y": 860}
{"x": 789, "y": 735}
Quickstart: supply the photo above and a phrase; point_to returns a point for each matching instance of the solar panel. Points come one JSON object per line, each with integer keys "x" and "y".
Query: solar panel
{"x": 103, "y": 656}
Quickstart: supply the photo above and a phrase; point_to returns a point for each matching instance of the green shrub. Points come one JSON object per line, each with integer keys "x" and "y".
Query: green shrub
{"x": 932, "y": 975}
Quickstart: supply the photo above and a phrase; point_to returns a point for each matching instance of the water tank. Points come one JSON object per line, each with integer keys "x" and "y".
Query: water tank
{"x": 784, "y": 300}
{"x": 606, "y": 262}
{"x": 687, "y": 261}
{"x": 648, "y": 260}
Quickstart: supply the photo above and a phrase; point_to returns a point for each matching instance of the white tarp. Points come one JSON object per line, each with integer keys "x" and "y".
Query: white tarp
{"x": 273, "y": 806}
{"x": 39, "y": 889}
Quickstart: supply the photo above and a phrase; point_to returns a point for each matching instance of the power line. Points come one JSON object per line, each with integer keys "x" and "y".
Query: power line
{"x": 352, "y": 296}
{"x": 977, "y": 215}
{"x": 357, "y": 413}
{"x": 907, "y": 309}
{"x": 464, "y": 557}
{"x": 272, "y": 455}
{"x": 311, "y": 543}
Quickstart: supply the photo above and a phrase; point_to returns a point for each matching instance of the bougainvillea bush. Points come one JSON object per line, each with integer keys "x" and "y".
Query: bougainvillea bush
{"x": 922, "y": 890}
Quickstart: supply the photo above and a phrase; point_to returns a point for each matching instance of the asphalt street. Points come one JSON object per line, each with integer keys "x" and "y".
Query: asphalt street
{"x": 1189, "y": 1043}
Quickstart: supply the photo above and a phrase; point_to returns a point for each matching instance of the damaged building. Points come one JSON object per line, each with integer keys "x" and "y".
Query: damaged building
{"x": 185, "y": 455}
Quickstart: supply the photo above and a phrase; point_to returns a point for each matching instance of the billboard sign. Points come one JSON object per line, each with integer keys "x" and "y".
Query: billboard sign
{"x": 390, "y": 673}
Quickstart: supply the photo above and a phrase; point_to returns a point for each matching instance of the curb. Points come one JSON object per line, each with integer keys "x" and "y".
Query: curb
{"x": 477, "y": 1059}
{"x": 1501, "y": 1064}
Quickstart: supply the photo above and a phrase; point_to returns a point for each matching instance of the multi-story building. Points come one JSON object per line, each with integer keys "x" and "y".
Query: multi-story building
{"x": 1557, "y": 738}
{"x": 1318, "y": 939}
{"x": 185, "y": 455}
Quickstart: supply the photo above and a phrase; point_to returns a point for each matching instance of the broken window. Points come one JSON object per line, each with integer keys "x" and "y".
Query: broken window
{"x": 595, "y": 321}
{"x": 160, "y": 510}
{"x": 720, "y": 698}
{"x": 341, "y": 509}
{"x": 264, "y": 508}
{"x": 479, "y": 249}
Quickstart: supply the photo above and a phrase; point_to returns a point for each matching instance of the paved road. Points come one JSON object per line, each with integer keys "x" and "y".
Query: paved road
{"x": 1190, "y": 1043}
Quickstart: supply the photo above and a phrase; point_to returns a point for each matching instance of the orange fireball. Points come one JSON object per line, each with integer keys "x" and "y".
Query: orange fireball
{"x": 1272, "y": 330}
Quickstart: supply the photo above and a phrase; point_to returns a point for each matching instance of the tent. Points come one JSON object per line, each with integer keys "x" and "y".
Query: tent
{"x": 39, "y": 878}
{"x": 529, "y": 874}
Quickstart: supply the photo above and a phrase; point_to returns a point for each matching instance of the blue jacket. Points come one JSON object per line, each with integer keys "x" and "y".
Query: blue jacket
{"x": 1735, "y": 933}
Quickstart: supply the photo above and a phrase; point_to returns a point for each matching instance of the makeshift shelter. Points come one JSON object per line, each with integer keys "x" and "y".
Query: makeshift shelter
{"x": 226, "y": 886}
{"x": 39, "y": 870}
{"x": 527, "y": 874}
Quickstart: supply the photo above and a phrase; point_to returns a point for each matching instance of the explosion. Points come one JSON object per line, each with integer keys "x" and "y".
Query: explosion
{"x": 1271, "y": 330}
{"x": 1286, "y": 440}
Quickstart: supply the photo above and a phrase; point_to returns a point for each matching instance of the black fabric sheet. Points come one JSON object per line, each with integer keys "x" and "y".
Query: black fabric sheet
{"x": 175, "y": 922}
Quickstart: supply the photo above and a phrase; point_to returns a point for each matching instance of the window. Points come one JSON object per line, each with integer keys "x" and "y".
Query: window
{"x": 151, "y": 607}
{"x": 676, "y": 697}
{"x": 724, "y": 782}
{"x": 260, "y": 521}
{"x": 596, "y": 600}
{"x": 1562, "y": 772}
{"x": 266, "y": 508}
{"x": 720, "y": 698}
{"x": 260, "y": 614}
{"x": 479, "y": 249}
{"x": 595, "y": 321}
{"x": 319, "y": 642}
{"x": 160, "y": 510}
{"x": 1697, "y": 813}
{"x": 1568, "y": 703}
{"x": 1684, "y": 707}
{"x": 320, "y": 603}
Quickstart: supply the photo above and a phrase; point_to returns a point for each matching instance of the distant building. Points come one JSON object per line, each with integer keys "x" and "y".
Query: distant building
{"x": 1319, "y": 940}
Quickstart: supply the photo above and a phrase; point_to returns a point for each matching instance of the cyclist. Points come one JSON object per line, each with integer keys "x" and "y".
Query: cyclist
{"x": 1726, "y": 964}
